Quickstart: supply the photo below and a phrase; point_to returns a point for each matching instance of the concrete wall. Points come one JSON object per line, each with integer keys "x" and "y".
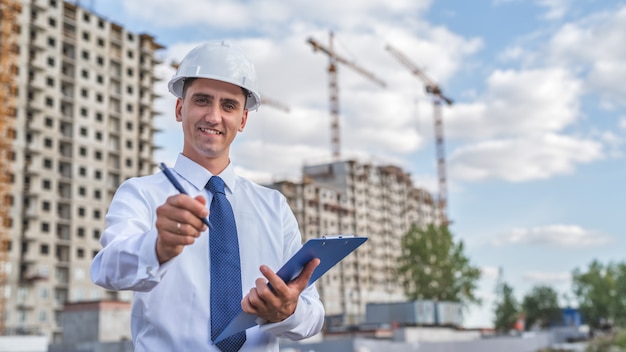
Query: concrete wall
{"x": 115, "y": 324}
{"x": 122, "y": 346}
{"x": 527, "y": 343}
{"x": 23, "y": 344}
{"x": 102, "y": 321}
{"x": 433, "y": 334}
{"x": 80, "y": 326}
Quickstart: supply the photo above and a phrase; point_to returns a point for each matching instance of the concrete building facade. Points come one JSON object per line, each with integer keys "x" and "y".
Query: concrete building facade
{"x": 351, "y": 197}
{"x": 84, "y": 123}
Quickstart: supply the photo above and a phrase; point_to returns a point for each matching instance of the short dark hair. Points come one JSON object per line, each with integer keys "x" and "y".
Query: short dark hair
{"x": 187, "y": 81}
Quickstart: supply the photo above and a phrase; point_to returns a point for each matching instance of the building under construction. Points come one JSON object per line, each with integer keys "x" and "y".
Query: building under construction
{"x": 363, "y": 199}
{"x": 77, "y": 118}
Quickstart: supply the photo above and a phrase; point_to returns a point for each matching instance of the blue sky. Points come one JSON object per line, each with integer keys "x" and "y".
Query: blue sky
{"x": 534, "y": 141}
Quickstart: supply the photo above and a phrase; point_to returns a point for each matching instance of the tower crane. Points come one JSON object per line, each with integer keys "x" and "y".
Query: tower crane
{"x": 9, "y": 10}
{"x": 275, "y": 104}
{"x": 334, "y": 58}
{"x": 437, "y": 95}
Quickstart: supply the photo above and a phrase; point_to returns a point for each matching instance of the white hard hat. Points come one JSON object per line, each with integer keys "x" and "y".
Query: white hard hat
{"x": 222, "y": 61}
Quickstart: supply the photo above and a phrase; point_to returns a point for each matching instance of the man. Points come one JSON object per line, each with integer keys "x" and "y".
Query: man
{"x": 157, "y": 244}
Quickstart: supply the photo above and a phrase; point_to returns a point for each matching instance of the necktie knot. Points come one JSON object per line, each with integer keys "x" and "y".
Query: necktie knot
{"x": 215, "y": 185}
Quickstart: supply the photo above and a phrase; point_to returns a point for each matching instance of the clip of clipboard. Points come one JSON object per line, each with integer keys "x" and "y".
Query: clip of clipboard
{"x": 330, "y": 251}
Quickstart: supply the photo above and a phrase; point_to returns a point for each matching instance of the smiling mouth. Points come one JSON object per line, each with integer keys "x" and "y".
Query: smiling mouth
{"x": 209, "y": 131}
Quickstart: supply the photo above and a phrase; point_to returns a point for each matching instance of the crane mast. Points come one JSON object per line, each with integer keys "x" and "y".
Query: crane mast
{"x": 437, "y": 95}
{"x": 9, "y": 10}
{"x": 333, "y": 60}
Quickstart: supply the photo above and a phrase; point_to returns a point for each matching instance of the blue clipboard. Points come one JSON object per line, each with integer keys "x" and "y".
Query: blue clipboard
{"x": 330, "y": 251}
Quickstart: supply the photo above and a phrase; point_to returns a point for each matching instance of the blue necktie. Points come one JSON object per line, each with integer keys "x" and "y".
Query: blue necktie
{"x": 225, "y": 267}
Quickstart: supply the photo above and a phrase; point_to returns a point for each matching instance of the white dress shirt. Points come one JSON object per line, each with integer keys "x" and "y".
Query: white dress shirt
{"x": 171, "y": 303}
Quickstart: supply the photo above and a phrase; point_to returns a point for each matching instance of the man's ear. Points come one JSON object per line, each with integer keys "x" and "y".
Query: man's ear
{"x": 244, "y": 119}
{"x": 179, "y": 109}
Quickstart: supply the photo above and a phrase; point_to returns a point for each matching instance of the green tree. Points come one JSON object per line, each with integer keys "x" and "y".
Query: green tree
{"x": 432, "y": 266}
{"x": 600, "y": 293}
{"x": 541, "y": 307}
{"x": 593, "y": 289}
{"x": 507, "y": 308}
{"x": 620, "y": 290}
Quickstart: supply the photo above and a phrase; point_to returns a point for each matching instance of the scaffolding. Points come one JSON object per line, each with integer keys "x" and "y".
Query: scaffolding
{"x": 9, "y": 10}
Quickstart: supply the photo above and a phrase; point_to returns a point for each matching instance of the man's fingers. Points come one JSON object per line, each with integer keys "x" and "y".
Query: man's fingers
{"x": 178, "y": 229}
{"x": 279, "y": 302}
{"x": 303, "y": 279}
{"x": 254, "y": 299}
{"x": 299, "y": 282}
{"x": 179, "y": 223}
{"x": 202, "y": 200}
{"x": 247, "y": 302}
{"x": 278, "y": 285}
{"x": 196, "y": 206}
{"x": 186, "y": 211}
{"x": 246, "y": 306}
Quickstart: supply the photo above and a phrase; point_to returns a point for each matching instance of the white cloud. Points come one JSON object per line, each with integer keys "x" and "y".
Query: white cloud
{"x": 269, "y": 161}
{"x": 613, "y": 142}
{"x": 622, "y": 123}
{"x": 222, "y": 14}
{"x": 512, "y": 53}
{"x": 569, "y": 236}
{"x": 271, "y": 14}
{"x": 594, "y": 45}
{"x": 593, "y": 39}
{"x": 556, "y": 8}
{"x": 523, "y": 159}
{"x": 522, "y": 111}
{"x": 518, "y": 103}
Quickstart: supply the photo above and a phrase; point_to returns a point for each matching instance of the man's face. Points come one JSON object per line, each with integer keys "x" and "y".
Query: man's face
{"x": 212, "y": 112}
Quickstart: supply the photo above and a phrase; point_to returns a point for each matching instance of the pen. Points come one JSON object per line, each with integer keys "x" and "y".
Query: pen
{"x": 170, "y": 176}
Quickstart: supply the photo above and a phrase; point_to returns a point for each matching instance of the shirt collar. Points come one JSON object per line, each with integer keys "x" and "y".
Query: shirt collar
{"x": 198, "y": 176}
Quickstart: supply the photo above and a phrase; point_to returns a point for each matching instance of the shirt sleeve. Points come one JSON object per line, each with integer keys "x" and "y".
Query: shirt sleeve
{"x": 308, "y": 318}
{"x": 128, "y": 258}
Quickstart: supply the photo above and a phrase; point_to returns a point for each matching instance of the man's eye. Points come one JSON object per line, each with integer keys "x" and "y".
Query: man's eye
{"x": 202, "y": 101}
{"x": 229, "y": 107}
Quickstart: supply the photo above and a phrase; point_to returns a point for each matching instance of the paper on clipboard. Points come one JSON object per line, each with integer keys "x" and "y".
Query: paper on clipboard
{"x": 330, "y": 251}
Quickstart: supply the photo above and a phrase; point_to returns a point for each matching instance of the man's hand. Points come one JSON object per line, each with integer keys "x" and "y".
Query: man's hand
{"x": 277, "y": 304}
{"x": 178, "y": 224}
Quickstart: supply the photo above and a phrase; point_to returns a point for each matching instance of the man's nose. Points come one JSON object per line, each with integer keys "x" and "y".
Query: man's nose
{"x": 212, "y": 113}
